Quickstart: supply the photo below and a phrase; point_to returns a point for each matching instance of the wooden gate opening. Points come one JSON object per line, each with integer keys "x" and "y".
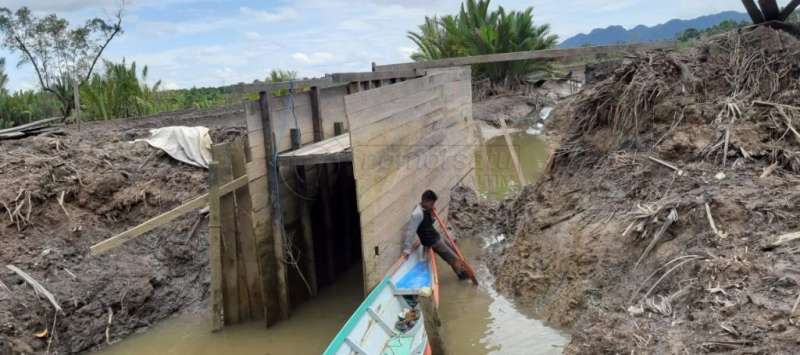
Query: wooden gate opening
{"x": 332, "y": 174}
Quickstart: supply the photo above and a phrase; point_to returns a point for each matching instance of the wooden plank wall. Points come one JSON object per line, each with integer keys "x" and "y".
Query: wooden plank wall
{"x": 237, "y": 290}
{"x": 406, "y": 138}
{"x": 283, "y": 284}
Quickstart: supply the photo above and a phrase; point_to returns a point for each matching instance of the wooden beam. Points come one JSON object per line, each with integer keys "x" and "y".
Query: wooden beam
{"x": 282, "y": 283}
{"x": 215, "y": 250}
{"x": 513, "y": 153}
{"x": 164, "y": 218}
{"x": 565, "y": 54}
{"x": 789, "y": 9}
{"x": 770, "y": 9}
{"x": 231, "y": 299}
{"x": 347, "y": 207}
{"x": 382, "y": 75}
{"x": 325, "y": 158}
{"x": 316, "y": 114}
{"x": 753, "y": 11}
{"x": 30, "y": 126}
{"x": 324, "y": 186}
{"x": 249, "y": 269}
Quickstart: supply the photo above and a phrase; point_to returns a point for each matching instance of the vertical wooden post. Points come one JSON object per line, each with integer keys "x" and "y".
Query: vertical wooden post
{"x": 325, "y": 193}
{"x": 214, "y": 252}
{"x": 344, "y": 188}
{"x": 76, "y": 88}
{"x": 305, "y": 223}
{"x": 277, "y": 226}
{"x": 316, "y": 114}
{"x": 248, "y": 261}
{"x": 513, "y": 153}
{"x": 261, "y": 212}
{"x": 230, "y": 266}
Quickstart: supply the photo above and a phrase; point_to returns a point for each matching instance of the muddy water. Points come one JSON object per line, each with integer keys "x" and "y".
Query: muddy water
{"x": 476, "y": 321}
{"x": 479, "y": 321}
{"x": 498, "y": 177}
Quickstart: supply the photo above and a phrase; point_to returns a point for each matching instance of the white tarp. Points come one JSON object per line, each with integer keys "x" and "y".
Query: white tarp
{"x": 191, "y": 145}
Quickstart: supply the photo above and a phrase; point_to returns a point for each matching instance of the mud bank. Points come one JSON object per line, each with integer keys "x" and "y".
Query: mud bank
{"x": 62, "y": 193}
{"x": 655, "y": 228}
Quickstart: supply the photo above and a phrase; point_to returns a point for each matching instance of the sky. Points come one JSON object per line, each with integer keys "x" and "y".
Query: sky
{"x": 188, "y": 43}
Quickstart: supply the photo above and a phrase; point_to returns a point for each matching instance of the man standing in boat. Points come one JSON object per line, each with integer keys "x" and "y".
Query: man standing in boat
{"x": 421, "y": 225}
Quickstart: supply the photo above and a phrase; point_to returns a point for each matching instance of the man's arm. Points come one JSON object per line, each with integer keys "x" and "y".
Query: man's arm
{"x": 411, "y": 231}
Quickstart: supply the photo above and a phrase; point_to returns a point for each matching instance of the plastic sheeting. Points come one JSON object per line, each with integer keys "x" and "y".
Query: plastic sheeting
{"x": 191, "y": 145}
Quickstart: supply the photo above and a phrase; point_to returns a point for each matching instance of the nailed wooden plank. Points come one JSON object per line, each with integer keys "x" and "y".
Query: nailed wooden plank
{"x": 360, "y": 101}
{"x": 561, "y": 54}
{"x": 215, "y": 250}
{"x": 249, "y": 268}
{"x": 363, "y": 76}
{"x": 332, "y": 150}
{"x": 164, "y": 218}
{"x": 30, "y": 126}
{"x": 230, "y": 267}
{"x": 409, "y": 152}
{"x": 443, "y": 158}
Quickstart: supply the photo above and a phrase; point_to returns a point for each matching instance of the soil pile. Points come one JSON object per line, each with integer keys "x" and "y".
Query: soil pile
{"x": 61, "y": 194}
{"x": 656, "y": 227}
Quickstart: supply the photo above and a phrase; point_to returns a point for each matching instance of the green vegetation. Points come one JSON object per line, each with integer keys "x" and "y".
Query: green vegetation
{"x": 119, "y": 93}
{"x": 476, "y": 30}
{"x": 121, "y": 90}
{"x": 59, "y": 55}
{"x": 693, "y": 34}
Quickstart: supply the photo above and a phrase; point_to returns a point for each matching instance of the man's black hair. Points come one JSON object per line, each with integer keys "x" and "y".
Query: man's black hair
{"x": 429, "y": 195}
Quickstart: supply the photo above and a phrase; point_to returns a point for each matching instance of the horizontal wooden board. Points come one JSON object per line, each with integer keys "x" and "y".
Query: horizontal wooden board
{"x": 374, "y": 98}
{"x": 563, "y": 54}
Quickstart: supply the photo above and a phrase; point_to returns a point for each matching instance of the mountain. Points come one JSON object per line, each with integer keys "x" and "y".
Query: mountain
{"x": 663, "y": 32}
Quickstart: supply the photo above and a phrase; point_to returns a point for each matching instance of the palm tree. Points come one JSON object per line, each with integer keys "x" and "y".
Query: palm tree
{"x": 476, "y": 30}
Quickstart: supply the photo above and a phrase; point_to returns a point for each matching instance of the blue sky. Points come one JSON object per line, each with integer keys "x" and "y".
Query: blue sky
{"x": 189, "y": 43}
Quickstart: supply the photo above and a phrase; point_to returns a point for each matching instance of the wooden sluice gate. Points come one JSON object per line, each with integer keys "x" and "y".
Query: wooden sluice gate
{"x": 333, "y": 173}
{"x": 324, "y": 180}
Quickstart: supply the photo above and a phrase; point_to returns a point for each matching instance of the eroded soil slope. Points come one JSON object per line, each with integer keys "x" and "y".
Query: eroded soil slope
{"x": 655, "y": 229}
{"x": 61, "y": 194}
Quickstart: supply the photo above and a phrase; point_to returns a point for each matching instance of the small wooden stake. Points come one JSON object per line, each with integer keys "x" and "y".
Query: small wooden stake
{"x": 513, "y": 153}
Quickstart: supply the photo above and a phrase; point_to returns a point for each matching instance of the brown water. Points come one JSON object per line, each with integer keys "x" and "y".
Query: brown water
{"x": 499, "y": 178}
{"x": 476, "y": 321}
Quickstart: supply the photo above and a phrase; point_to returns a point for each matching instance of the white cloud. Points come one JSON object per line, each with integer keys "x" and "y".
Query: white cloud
{"x": 354, "y": 25}
{"x": 314, "y": 58}
{"x": 252, "y": 35}
{"x": 282, "y": 14}
{"x": 407, "y": 51}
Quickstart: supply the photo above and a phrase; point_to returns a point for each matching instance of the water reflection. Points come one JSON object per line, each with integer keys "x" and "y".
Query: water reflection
{"x": 498, "y": 177}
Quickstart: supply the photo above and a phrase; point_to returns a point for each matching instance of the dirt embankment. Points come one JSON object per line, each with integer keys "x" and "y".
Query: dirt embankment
{"x": 60, "y": 195}
{"x": 654, "y": 229}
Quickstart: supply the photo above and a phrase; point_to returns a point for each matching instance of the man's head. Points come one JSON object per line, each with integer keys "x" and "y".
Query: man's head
{"x": 428, "y": 199}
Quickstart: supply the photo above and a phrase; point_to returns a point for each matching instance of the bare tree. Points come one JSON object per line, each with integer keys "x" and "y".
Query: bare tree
{"x": 58, "y": 54}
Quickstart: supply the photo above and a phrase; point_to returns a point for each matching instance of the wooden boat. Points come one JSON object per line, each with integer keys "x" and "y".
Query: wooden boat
{"x": 411, "y": 284}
